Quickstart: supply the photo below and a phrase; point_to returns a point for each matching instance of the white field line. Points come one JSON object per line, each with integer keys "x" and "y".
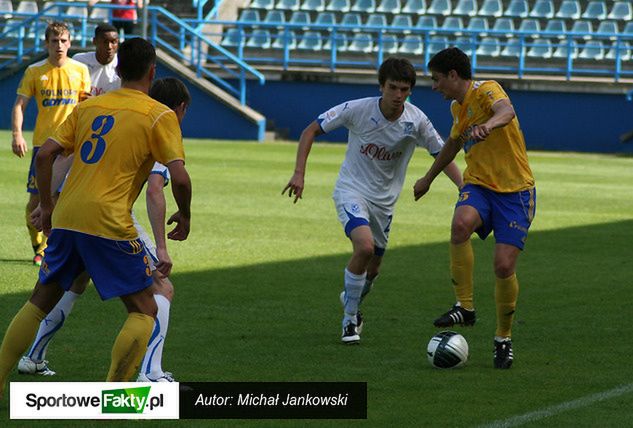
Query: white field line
{"x": 515, "y": 421}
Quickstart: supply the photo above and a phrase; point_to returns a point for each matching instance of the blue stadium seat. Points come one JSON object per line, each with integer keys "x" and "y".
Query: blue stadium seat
{"x": 341, "y": 39}
{"x": 249, "y": 15}
{"x": 464, "y": 43}
{"x": 259, "y": 39}
{"x": 453, "y": 24}
{"x": 275, "y": 17}
{"x": 288, "y": 5}
{"x": 38, "y": 28}
{"x": 465, "y": 8}
{"x": 300, "y": 17}
{"x": 402, "y": 21}
{"x": 582, "y": 27}
{"x": 492, "y": 8}
{"x": 6, "y": 8}
{"x": 417, "y": 7}
{"x": 233, "y": 37}
{"x": 326, "y": 18}
{"x": 569, "y": 9}
{"x": 440, "y": 7}
{"x": 540, "y": 48}
{"x": 592, "y": 50}
{"x": 511, "y": 48}
{"x": 353, "y": 20}
{"x": 428, "y": 23}
{"x": 376, "y": 20}
{"x": 262, "y": 4}
{"x": 563, "y": 50}
{"x": 517, "y": 9}
{"x": 99, "y": 14}
{"x": 478, "y": 24}
{"x": 621, "y": 10}
{"x": 624, "y": 50}
{"x": 338, "y": 6}
{"x": 489, "y": 46}
{"x": 364, "y": 6}
{"x": 595, "y": 10}
{"x": 438, "y": 43}
{"x": 557, "y": 26}
{"x": 311, "y": 41}
{"x": 58, "y": 12}
{"x": 530, "y": 26}
{"x": 608, "y": 27}
{"x": 504, "y": 24}
{"x": 388, "y": 44}
{"x": 543, "y": 9}
{"x": 313, "y": 5}
{"x": 27, "y": 7}
{"x": 361, "y": 43}
{"x": 283, "y": 38}
{"x": 77, "y": 12}
{"x": 411, "y": 44}
{"x": 628, "y": 29}
{"x": 389, "y": 6}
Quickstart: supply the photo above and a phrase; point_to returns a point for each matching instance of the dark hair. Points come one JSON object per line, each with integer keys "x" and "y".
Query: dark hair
{"x": 397, "y": 69}
{"x": 136, "y": 56}
{"x": 451, "y": 59}
{"x": 104, "y": 27}
{"x": 170, "y": 91}
{"x": 57, "y": 28}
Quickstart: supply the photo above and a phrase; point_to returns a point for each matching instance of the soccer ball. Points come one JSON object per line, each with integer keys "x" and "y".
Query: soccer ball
{"x": 447, "y": 349}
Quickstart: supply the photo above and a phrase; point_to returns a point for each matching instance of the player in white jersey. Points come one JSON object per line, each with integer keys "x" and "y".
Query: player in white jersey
{"x": 103, "y": 61}
{"x": 383, "y": 133}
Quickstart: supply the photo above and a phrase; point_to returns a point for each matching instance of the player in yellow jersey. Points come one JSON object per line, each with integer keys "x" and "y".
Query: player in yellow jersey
{"x": 498, "y": 195}
{"x": 116, "y": 137}
{"x": 57, "y": 84}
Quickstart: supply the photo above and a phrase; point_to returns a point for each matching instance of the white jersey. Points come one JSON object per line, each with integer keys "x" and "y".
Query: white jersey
{"x": 378, "y": 151}
{"x": 103, "y": 78}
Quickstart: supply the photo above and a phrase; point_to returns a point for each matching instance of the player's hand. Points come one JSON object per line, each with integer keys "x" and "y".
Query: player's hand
{"x": 36, "y": 217}
{"x": 181, "y": 231}
{"x": 19, "y": 146}
{"x": 45, "y": 220}
{"x": 480, "y": 132}
{"x": 295, "y": 187}
{"x": 164, "y": 265}
{"x": 421, "y": 187}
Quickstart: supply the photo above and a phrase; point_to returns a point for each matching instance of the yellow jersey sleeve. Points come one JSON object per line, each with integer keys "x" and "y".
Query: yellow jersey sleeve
{"x": 65, "y": 133}
{"x": 27, "y": 86}
{"x": 166, "y": 141}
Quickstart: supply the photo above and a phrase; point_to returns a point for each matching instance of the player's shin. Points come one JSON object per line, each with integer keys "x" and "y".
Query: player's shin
{"x": 129, "y": 347}
{"x": 152, "y": 362}
{"x": 353, "y": 289}
{"x": 462, "y": 263}
{"x": 506, "y": 293}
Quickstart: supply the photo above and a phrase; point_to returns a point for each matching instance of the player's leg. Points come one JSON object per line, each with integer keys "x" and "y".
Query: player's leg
{"x": 38, "y": 239}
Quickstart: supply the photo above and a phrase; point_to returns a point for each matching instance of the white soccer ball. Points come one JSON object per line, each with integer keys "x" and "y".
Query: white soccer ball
{"x": 447, "y": 349}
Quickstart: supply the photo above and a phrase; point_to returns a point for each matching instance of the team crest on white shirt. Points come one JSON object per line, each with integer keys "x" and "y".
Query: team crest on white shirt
{"x": 408, "y": 128}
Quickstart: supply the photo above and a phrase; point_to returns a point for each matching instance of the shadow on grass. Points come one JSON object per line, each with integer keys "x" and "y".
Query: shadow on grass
{"x": 281, "y": 322}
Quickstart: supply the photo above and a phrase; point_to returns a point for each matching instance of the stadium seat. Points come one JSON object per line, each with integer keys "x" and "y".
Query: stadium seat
{"x": 361, "y": 43}
{"x": 376, "y": 20}
{"x": 543, "y": 9}
{"x": 504, "y": 24}
{"x": 259, "y": 39}
{"x": 540, "y": 48}
{"x": 511, "y": 48}
{"x": 287, "y": 5}
{"x": 427, "y": 23}
{"x": 628, "y": 29}
{"x": 569, "y": 9}
{"x": 595, "y": 10}
{"x": 77, "y": 12}
{"x": 364, "y": 6}
{"x": 492, "y": 8}
{"x": 6, "y": 8}
{"x": 404, "y": 23}
{"x": 411, "y": 44}
{"x": 282, "y": 38}
{"x": 249, "y": 15}
{"x": 233, "y": 37}
{"x": 437, "y": 43}
{"x": 563, "y": 50}
{"x": 530, "y": 26}
{"x": 465, "y": 8}
{"x": 37, "y": 30}
{"x": 310, "y": 41}
{"x": 313, "y": 5}
{"x": 608, "y": 27}
{"x": 275, "y": 17}
{"x": 592, "y": 50}
{"x": 300, "y": 17}
{"x": 624, "y": 49}
{"x": 388, "y": 44}
{"x": 453, "y": 24}
{"x": 417, "y": 7}
{"x": 517, "y": 9}
{"x": 389, "y": 6}
{"x": 262, "y": 4}
{"x": 27, "y": 7}
{"x": 341, "y": 39}
{"x": 326, "y": 18}
{"x": 464, "y": 43}
{"x": 342, "y": 6}
{"x": 621, "y": 10}
{"x": 582, "y": 27}
{"x": 479, "y": 25}
{"x": 99, "y": 14}
{"x": 352, "y": 20}
{"x": 489, "y": 46}
{"x": 440, "y": 7}
{"x": 556, "y": 26}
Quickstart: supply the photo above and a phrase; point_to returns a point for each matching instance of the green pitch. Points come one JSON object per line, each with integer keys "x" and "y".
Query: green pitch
{"x": 257, "y": 287}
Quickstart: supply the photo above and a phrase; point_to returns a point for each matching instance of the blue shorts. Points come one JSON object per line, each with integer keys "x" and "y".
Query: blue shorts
{"x": 31, "y": 183}
{"x": 117, "y": 268}
{"x": 509, "y": 215}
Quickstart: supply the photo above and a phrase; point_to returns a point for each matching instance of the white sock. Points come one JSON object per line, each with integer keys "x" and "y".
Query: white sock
{"x": 353, "y": 288}
{"x": 152, "y": 362}
{"x": 50, "y": 325}
{"x": 369, "y": 283}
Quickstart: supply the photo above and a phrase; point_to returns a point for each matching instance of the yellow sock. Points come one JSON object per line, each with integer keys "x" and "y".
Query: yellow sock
{"x": 462, "y": 262}
{"x": 37, "y": 237}
{"x": 506, "y": 293}
{"x": 130, "y": 346}
{"x": 18, "y": 337}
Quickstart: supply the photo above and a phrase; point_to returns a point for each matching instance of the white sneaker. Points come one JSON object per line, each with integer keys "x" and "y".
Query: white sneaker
{"x": 28, "y": 366}
{"x": 166, "y": 377}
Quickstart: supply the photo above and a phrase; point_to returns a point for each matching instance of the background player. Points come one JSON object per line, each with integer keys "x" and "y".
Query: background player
{"x": 498, "y": 194}
{"x": 57, "y": 84}
{"x": 383, "y": 133}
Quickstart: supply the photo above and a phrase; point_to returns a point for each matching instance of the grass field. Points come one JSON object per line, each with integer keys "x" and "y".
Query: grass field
{"x": 257, "y": 287}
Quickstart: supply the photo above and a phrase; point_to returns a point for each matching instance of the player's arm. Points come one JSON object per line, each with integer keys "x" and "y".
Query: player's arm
{"x": 503, "y": 113}
{"x": 18, "y": 144}
{"x": 61, "y": 166}
{"x": 296, "y": 183}
{"x": 156, "y": 208}
{"x": 452, "y": 171}
{"x": 181, "y": 189}
{"x": 443, "y": 159}
{"x": 43, "y": 170}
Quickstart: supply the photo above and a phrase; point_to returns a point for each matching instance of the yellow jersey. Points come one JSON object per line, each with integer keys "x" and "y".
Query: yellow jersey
{"x": 56, "y": 90}
{"x": 499, "y": 162}
{"x": 116, "y": 138}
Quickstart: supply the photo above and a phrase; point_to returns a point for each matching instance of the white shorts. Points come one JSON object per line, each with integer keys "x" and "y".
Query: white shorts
{"x": 150, "y": 248}
{"x": 353, "y": 210}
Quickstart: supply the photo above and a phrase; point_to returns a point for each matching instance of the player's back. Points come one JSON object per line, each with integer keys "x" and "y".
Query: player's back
{"x": 116, "y": 138}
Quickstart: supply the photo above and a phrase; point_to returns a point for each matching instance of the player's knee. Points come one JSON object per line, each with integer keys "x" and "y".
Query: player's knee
{"x": 364, "y": 250}
{"x": 460, "y": 231}
{"x": 504, "y": 268}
